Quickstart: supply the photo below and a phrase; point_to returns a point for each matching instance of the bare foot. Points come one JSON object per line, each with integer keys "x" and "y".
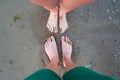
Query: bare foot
{"x": 63, "y": 23}
{"x": 51, "y": 48}
{"x": 52, "y": 22}
{"x": 66, "y": 48}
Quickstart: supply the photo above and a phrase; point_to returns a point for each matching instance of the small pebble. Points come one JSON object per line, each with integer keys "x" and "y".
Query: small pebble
{"x": 114, "y": 22}
{"x": 21, "y": 26}
{"x": 81, "y": 14}
{"x": 114, "y": 1}
{"x": 117, "y": 49}
{"x": 115, "y": 56}
{"x": 110, "y": 17}
{"x": 78, "y": 48}
{"x": 15, "y": 18}
{"x": 113, "y": 63}
{"x": 117, "y": 10}
{"x": 88, "y": 20}
{"x": 94, "y": 15}
{"x": 11, "y": 25}
{"x": 112, "y": 54}
{"x": 77, "y": 41}
{"x": 96, "y": 24}
{"x": 81, "y": 10}
{"x": 91, "y": 62}
{"x": 115, "y": 40}
{"x": 102, "y": 40}
{"x": 10, "y": 62}
{"x": 88, "y": 65}
{"x": 108, "y": 10}
{"x": 25, "y": 48}
{"x": 113, "y": 12}
{"x": 108, "y": 0}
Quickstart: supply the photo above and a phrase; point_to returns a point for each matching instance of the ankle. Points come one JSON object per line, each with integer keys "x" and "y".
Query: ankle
{"x": 68, "y": 63}
{"x": 54, "y": 10}
{"x": 63, "y": 11}
{"x": 66, "y": 59}
{"x": 54, "y": 60}
{"x": 62, "y": 16}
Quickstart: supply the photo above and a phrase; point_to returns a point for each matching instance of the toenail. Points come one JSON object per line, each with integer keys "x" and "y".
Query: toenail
{"x": 69, "y": 42}
{"x": 62, "y": 37}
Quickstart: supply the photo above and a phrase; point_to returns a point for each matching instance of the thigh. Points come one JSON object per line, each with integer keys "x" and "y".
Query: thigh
{"x": 43, "y": 74}
{"x": 82, "y": 73}
{"x": 72, "y": 4}
{"x": 46, "y": 3}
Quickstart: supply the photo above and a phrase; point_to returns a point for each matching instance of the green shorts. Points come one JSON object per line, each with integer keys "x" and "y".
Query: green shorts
{"x": 78, "y": 73}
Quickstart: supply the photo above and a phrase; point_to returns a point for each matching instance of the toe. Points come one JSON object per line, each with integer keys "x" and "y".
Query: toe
{"x": 48, "y": 26}
{"x": 49, "y": 39}
{"x": 52, "y": 38}
{"x": 51, "y": 29}
{"x": 56, "y": 29}
{"x": 62, "y": 31}
{"x": 63, "y": 39}
{"x": 45, "y": 45}
{"x": 66, "y": 38}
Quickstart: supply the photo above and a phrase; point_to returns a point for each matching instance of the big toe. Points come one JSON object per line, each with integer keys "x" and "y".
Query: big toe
{"x": 52, "y": 38}
{"x": 55, "y": 29}
{"x": 63, "y": 39}
{"x": 63, "y": 30}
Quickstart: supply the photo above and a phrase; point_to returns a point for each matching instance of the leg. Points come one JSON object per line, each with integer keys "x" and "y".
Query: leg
{"x": 74, "y": 72}
{"x": 67, "y": 51}
{"x": 68, "y": 5}
{"x": 77, "y": 73}
{"x": 51, "y": 50}
{"x": 51, "y": 71}
{"x": 50, "y": 5}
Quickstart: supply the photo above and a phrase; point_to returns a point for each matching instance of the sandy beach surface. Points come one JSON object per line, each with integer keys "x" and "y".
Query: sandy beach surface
{"x": 94, "y": 30}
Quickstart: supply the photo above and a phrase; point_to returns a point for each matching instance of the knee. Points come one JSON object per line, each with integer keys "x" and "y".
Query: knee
{"x": 38, "y": 2}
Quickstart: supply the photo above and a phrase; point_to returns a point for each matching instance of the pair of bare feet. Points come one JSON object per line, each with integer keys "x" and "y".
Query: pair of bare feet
{"x": 52, "y": 52}
{"x": 52, "y": 23}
